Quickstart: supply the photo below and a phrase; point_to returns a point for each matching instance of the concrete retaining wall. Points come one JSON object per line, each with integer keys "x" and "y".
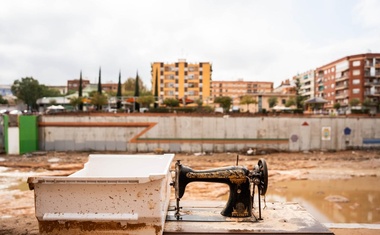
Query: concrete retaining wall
{"x": 176, "y": 133}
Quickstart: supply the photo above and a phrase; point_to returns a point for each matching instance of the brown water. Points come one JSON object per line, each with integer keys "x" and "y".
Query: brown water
{"x": 362, "y": 193}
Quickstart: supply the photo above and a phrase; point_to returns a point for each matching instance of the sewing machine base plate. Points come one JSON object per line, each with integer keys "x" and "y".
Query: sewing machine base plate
{"x": 203, "y": 217}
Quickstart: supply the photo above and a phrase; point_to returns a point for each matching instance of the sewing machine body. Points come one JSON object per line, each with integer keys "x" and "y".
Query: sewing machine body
{"x": 241, "y": 182}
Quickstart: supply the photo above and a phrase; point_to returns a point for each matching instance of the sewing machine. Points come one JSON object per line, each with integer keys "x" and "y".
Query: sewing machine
{"x": 241, "y": 182}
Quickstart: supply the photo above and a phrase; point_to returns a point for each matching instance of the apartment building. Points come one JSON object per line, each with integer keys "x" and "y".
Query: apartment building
{"x": 109, "y": 87}
{"x": 355, "y": 76}
{"x": 307, "y": 81}
{"x": 182, "y": 80}
{"x": 286, "y": 87}
{"x": 239, "y": 88}
{"x": 73, "y": 85}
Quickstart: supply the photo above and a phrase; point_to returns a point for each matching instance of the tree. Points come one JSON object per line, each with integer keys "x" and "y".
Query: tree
{"x": 27, "y": 90}
{"x": 146, "y": 100}
{"x": 156, "y": 91}
{"x": 224, "y": 101}
{"x": 299, "y": 102}
{"x": 367, "y": 103}
{"x": 98, "y": 107}
{"x": 337, "y": 105}
{"x": 129, "y": 86}
{"x": 99, "y": 100}
{"x": 118, "y": 94}
{"x": 48, "y": 92}
{"x": 354, "y": 102}
{"x": 80, "y": 92}
{"x": 100, "y": 81}
{"x": 272, "y": 101}
{"x": 2, "y": 100}
{"x": 247, "y": 99}
{"x": 171, "y": 102}
{"x": 75, "y": 101}
{"x": 198, "y": 102}
{"x": 291, "y": 101}
{"x": 137, "y": 92}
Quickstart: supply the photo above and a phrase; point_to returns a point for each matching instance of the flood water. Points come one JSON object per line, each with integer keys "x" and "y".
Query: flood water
{"x": 355, "y": 200}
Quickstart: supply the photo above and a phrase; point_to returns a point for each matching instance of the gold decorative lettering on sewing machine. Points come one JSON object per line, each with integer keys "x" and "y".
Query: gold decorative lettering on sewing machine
{"x": 238, "y": 178}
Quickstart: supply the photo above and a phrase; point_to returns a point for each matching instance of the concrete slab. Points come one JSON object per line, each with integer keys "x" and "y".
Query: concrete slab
{"x": 203, "y": 217}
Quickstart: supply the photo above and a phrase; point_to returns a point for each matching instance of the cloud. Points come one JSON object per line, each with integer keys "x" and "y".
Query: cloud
{"x": 255, "y": 40}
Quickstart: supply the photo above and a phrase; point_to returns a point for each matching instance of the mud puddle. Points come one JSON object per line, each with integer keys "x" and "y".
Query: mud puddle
{"x": 355, "y": 200}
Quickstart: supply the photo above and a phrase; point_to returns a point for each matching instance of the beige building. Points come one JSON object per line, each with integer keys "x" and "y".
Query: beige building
{"x": 239, "y": 88}
{"x": 307, "y": 81}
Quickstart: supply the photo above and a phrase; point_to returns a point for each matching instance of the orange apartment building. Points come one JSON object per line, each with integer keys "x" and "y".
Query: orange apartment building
{"x": 182, "y": 80}
{"x": 355, "y": 76}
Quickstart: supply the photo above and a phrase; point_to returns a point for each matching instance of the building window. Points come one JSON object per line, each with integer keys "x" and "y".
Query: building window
{"x": 356, "y": 91}
{"x": 356, "y": 72}
{"x": 356, "y": 63}
{"x": 356, "y": 81}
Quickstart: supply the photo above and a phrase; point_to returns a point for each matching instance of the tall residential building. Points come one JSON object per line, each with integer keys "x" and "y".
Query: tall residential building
{"x": 182, "y": 80}
{"x": 355, "y": 76}
{"x": 239, "y": 88}
{"x": 307, "y": 81}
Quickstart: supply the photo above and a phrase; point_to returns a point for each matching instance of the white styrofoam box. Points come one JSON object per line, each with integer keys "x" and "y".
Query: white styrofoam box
{"x": 111, "y": 192}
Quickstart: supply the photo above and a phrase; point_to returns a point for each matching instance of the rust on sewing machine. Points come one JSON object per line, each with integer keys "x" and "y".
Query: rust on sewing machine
{"x": 241, "y": 181}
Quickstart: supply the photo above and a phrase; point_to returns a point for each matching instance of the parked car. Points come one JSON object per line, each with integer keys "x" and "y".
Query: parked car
{"x": 15, "y": 112}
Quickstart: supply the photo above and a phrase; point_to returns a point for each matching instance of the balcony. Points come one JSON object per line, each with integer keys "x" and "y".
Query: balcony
{"x": 342, "y": 78}
{"x": 376, "y": 93}
{"x": 341, "y": 87}
{"x": 341, "y": 96}
{"x": 372, "y": 83}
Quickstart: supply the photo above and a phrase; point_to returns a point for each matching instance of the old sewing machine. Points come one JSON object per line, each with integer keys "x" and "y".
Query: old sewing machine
{"x": 241, "y": 182}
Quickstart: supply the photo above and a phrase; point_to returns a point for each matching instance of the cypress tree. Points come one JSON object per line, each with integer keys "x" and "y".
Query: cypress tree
{"x": 80, "y": 92}
{"x": 118, "y": 95}
{"x": 99, "y": 107}
{"x": 137, "y": 92}
{"x": 156, "y": 91}
{"x": 100, "y": 81}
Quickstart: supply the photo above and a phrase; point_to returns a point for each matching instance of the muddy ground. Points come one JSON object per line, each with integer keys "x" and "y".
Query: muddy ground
{"x": 17, "y": 201}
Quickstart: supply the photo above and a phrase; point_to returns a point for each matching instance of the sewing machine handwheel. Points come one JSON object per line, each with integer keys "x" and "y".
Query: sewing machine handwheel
{"x": 264, "y": 176}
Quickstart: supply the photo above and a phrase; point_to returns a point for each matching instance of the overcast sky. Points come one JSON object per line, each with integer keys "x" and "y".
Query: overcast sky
{"x": 265, "y": 40}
